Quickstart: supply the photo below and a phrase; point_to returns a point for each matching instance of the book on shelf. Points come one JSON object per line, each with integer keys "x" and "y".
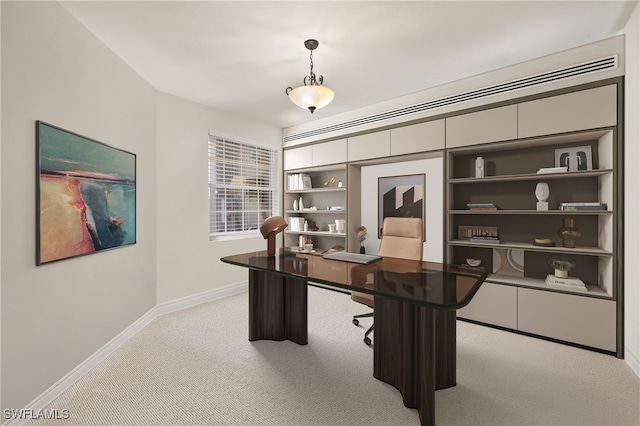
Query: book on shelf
{"x": 298, "y": 181}
{"x": 480, "y": 205}
{"x": 484, "y": 239}
{"x": 569, "y": 283}
{"x": 583, "y": 206}
{"x": 552, "y": 170}
{"x": 296, "y": 223}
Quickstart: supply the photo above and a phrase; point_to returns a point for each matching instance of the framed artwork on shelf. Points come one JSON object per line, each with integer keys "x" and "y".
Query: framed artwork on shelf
{"x": 400, "y": 196}
{"x": 85, "y": 195}
{"x": 468, "y": 232}
{"x": 574, "y": 158}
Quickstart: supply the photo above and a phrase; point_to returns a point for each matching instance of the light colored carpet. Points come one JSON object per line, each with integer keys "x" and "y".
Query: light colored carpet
{"x": 196, "y": 366}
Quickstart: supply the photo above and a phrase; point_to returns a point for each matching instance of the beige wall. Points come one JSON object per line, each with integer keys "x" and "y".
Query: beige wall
{"x": 187, "y": 262}
{"x": 56, "y": 315}
{"x": 632, "y": 195}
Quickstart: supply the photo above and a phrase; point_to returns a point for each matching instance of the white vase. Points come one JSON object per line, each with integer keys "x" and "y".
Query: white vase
{"x": 295, "y": 204}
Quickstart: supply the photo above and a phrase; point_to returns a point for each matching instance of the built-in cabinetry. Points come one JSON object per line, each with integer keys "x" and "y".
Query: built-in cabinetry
{"x": 323, "y": 194}
{"x": 516, "y": 294}
{"x": 514, "y": 141}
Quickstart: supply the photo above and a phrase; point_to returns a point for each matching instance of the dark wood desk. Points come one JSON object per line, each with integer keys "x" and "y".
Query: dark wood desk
{"x": 414, "y": 315}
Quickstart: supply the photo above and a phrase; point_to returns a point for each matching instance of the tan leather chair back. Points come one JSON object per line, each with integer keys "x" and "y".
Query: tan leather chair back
{"x": 402, "y": 237}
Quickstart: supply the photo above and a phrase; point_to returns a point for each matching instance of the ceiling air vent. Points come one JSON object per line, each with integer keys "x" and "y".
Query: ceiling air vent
{"x": 572, "y": 71}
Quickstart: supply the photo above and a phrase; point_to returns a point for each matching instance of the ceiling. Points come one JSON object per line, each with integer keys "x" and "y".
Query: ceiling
{"x": 239, "y": 57}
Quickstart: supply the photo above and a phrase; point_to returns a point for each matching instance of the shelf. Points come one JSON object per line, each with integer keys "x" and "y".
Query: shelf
{"x": 315, "y": 190}
{"x": 319, "y": 233}
{"x": 537, "y": 283}
{"x": 532, "y": 176}
{"x": 315, "y": 211}
{"x": 588, "y": 251}
{"x": 533, "y": 212}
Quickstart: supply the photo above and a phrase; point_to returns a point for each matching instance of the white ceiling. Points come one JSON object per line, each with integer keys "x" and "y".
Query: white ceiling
{"x": 239, "y": 56}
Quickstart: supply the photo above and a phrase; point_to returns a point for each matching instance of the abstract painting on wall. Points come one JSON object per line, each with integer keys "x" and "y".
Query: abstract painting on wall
{"x": 400, "y": 196}
{"x": 86, "y": 195}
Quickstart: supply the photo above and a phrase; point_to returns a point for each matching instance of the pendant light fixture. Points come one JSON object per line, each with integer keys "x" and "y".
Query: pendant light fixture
{"x": 311, "y": 95}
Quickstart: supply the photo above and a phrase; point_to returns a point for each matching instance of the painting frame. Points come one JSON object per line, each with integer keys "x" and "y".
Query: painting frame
{"x": 86, "y": 195}
{"x": 410, "y": 186}
{"x": 576, "y": 158}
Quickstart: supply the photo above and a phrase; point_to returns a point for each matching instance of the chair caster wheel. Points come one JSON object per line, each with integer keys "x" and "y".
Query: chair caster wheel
{"x": 367, "y": 341}
{"x": 355, "y": 321}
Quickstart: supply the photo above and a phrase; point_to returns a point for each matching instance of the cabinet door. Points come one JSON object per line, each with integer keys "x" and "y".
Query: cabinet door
{"x": 421, "y": 137}
{"x": 330, "y": 152}
{"x": 584, "y": 320}
{"x": 492, "y": 125}
{"x": 298, "y": 158}
{"x": 493, "y": 304}
{"x": 587, "y": 109}
{"x": 371, "y": 145}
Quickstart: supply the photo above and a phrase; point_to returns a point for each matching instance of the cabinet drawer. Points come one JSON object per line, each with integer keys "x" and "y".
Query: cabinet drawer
{"x": 297, "y": 158}
{"x": 371, "y": 145}
{"x": 492, "y": 125}
{"x": 329, "y": 152}
{"x": 421, "y": 137}
{"x": 583, "y": 320}
{"x": 587, "y": 109}
{"x": 493, "y": 304}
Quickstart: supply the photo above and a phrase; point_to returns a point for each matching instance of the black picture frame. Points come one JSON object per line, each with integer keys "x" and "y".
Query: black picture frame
{"x": 401, "y": 196}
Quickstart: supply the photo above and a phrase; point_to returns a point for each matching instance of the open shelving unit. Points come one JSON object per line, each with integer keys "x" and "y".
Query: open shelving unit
{"x": 510, "y": 179}
{"x": 316, "y": 200}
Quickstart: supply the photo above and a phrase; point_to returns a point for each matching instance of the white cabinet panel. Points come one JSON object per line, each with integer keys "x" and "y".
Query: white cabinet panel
{"x": 371, "y": 145}
{"x": 492, "y": 125}
{"x": 493, "y": 304}
{"x": 298, "y": 158}
{"x": 420, "y": 137}
{"x": 583, "y": 320}
{"x": 330, "y": 152}
{"x": 587, "y": 109}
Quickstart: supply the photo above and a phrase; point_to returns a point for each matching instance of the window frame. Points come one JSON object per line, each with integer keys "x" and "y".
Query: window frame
{"x": 254, "y": 164}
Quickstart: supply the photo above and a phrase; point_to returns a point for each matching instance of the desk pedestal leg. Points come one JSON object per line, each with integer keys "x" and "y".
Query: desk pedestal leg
{"x": 414, "y": 350}
{"x": 277, "y": 307}
{"x": 445, "y": 348}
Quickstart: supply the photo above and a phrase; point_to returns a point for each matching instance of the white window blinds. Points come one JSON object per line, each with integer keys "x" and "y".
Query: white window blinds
{"x": 242, "y": 186}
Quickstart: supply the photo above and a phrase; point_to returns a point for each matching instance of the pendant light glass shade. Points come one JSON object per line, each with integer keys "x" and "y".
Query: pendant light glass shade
{"x": 311, "y": 97}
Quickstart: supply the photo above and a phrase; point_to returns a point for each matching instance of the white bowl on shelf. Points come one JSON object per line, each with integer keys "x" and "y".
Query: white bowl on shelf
{"x": 473, "y": 262}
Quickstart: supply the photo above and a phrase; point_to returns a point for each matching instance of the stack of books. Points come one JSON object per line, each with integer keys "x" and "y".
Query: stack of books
{"x": 298, "y": 181}
{"x": 582, "y": 206}
{"x": 296, "y": 223}
{"x": 569, "y": 283}
{"x": 482, "y": 206}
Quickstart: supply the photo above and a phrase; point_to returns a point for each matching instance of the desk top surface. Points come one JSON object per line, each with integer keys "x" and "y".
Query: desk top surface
{"x": 432, "y": 284}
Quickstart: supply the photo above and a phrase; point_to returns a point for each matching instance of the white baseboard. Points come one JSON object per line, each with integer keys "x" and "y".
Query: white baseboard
{"x": 83, "y": 368}
{"x": 632, "y": 360}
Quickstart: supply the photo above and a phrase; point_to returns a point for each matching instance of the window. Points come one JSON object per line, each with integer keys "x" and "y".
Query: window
{"x": 242, "y": 186}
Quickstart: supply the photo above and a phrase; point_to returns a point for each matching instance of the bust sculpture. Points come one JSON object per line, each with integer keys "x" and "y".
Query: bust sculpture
{"x": 542, "y": 194}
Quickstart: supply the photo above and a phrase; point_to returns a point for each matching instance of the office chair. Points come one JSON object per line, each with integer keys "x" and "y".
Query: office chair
{"x": 401, "y": 238}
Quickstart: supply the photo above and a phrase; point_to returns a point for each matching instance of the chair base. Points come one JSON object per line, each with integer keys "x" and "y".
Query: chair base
{"x": 355, "y": 321}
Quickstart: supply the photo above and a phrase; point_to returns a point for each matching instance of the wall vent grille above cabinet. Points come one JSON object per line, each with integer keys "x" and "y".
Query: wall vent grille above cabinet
{"x": 603, "y": 64}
